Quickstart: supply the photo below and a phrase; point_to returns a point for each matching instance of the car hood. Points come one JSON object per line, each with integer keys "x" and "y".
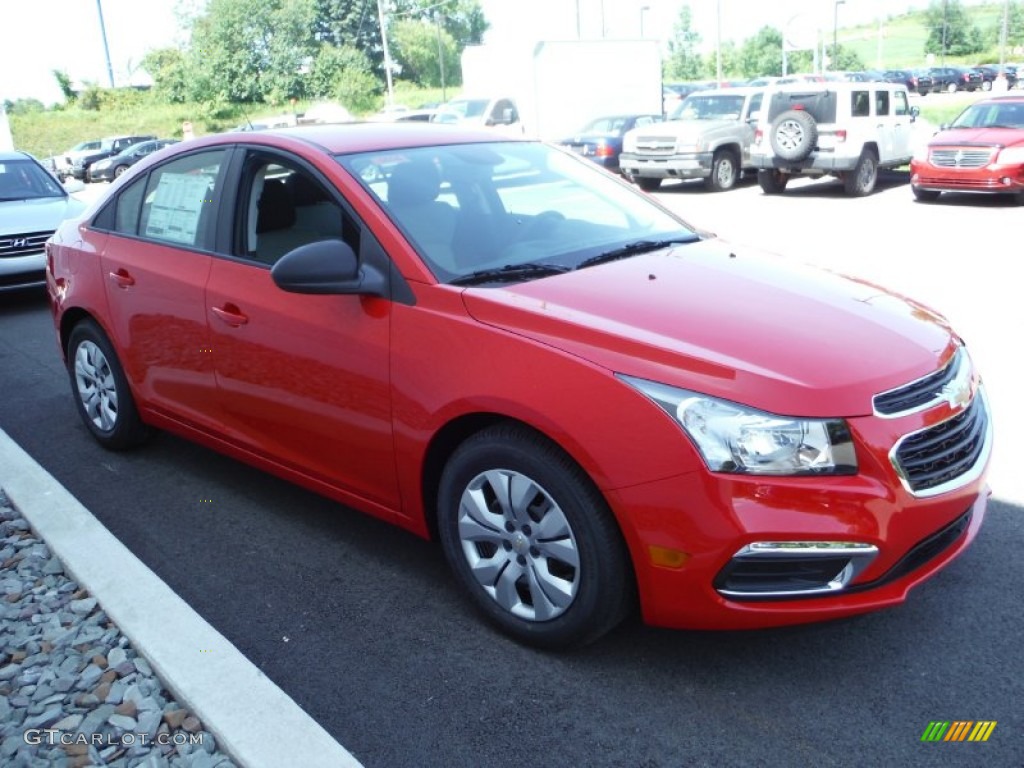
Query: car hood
{"x": 686, "y": 129}
{"x": 732, "y": 323}
{"x": 37, "y": 214}
{"x": 1003, "y": 137}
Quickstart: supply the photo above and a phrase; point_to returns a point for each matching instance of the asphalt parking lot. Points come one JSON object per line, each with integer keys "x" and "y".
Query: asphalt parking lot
{"x": 361, "y": 624}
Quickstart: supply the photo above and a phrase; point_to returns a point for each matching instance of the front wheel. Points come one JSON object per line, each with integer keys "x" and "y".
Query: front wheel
{"x": 951, "y": 88}
{"x": 101, "y": 391}
{"x": 120, "y": 170}
{"x": 532, "y": 540}
{"x": 647, "y": 184}
{"x": 862, "y": 179}
{"x": 725, "y": 170}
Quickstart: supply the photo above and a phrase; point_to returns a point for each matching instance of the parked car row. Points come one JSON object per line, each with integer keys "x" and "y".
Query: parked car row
{"x": 850, "y": 130}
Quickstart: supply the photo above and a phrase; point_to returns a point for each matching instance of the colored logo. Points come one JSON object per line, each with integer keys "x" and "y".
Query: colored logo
{"x": 958, "y": 730}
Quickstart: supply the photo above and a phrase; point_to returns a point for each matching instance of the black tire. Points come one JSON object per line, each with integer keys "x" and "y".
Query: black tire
{"x": 552, "y": 571}
{"x": 925, "y": 195}
{"x": 793, "y": 135}
{"x": 862, "y": 179}
{"x": 119, "y": 170}
{"x": 725, "y": 171}
{"x": 102, "y": 395}
{"x": 647, "y": 184}
{"x": 772, "y": 182}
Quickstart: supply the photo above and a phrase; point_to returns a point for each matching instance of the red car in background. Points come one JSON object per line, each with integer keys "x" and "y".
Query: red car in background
{"x": 495, "y": 343}
{"x": 982, "y": 150}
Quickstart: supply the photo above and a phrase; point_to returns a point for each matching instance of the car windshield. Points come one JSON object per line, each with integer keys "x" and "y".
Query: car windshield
{"x": 464, "y": 108}
{"x": 26, "y": 180}
{"x": 610, "y": 125}
{"x": 700, "y": 107}
{"x": 991, "y": 115}
{"x": 474, "y": 208}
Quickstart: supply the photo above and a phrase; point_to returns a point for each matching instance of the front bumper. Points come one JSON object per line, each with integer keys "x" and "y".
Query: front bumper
{"x": 691, "y": 536}
{"x": 990, "y": 179}
{"x": 23, "y": 271}
{"x": 692, "y": 165}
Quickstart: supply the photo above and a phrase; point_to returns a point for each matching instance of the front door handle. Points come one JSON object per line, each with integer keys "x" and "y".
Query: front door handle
{"x": 122, "y": 279}
{"x": 231, "y": 315}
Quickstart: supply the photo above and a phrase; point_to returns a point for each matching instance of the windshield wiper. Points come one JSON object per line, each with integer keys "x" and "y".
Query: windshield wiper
{"x": 510, "y": 273}
{"x": 632, "y": 249}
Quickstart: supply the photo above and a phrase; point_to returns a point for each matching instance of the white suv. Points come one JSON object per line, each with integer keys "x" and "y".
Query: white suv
{"x": 847, "y": 130}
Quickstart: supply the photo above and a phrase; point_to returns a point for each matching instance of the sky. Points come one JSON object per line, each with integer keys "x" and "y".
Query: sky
{"x": 65, "y": 34}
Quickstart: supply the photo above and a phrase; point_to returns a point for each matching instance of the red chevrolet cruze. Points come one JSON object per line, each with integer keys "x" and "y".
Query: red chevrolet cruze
{"x": 492, "y": 342}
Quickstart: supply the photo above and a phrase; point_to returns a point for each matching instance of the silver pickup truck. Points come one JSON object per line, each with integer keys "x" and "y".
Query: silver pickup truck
{"x": 708, "y": 136}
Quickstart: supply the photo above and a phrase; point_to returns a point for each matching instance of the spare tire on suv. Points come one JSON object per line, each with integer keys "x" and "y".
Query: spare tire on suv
{"x": 793, "y": 135}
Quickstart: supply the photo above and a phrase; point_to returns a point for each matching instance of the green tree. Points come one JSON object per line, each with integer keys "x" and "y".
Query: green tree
{"x": 169, "y": 68}
{"x": 344, "y": 73}
{"x": 418, "y": 46}
{"x": 844, "y": 59}
{"x": 761, "y": 55}
{"x": 1014, "y": 26}
{"x": 684, "y": 61}
{"x": 950, "y": 30}
{"x": 64, "y": 83}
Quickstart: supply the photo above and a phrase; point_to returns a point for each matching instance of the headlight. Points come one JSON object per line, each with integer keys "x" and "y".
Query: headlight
{"x": 921, "y": 154}
{"x": 1011, "y": 156}
{"x": 736, "y": 439}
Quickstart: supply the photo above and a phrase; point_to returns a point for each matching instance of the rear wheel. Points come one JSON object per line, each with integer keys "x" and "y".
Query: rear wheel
{"x": 119, "y": 170}
{"x": 862, "y": 179}
{"x": 725, "y": 170}
{"x": 951, "y": 88}
{"x": 532, "y": 540}
{"x": 102, "y": 395}
{"x": 647, "y": 184}
{"x": 925, "y": 195}
{"x": 772, "y": 182}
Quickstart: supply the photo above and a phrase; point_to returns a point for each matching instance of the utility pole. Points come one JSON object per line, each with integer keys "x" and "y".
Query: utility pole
{"x": 718, "y": 45}
{"x": 440, "y": 55}
{"x": 387, "y": 54}
{"x": 106, "y": 48}
{"x": 944, "y": 25}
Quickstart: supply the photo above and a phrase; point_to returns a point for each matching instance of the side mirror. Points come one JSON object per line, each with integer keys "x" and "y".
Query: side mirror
{"x": 507, "y": 116}
{"x": 327, "y": 267}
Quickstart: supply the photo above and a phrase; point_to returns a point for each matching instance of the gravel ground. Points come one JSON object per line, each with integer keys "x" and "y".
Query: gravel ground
{"x": 73, "y": 691}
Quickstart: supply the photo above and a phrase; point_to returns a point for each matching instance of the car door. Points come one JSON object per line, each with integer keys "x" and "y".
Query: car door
{"x": 903, "y": 127}
{"x": 885, "y": 124}
{"x": 303, "y": 380}
{"x": 155, "y": 264}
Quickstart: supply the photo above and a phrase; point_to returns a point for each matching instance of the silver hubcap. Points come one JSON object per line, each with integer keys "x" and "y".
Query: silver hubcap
{"x": 96, "y": 387}
{"x": 789, "y": 134}
{"x": 726, "y": 173}
{"x": 519, "y": 545}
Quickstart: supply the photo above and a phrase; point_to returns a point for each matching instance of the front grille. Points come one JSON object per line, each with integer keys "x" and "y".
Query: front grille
{"x": 962, "y": 158}
{"x": 919, "y": 394}
{"x": 656, "y": 145}
{"x": 934, "y": 458}
{"x": 749, "y": 578}
{"x": 20, "y": 245}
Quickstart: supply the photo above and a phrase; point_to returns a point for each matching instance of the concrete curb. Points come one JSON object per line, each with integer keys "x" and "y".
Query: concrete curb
{"x": 253, "y": 720}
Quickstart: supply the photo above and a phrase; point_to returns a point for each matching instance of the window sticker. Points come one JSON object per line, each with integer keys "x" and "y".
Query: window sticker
{"x": 176, "y": 207}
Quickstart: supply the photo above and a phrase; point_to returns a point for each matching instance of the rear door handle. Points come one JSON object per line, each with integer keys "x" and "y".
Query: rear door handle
{"x": 122, "y": 279}
{"x": 231, "y": 315}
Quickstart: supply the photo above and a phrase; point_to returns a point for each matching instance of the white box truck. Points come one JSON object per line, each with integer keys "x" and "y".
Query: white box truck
{"x": 557, "y": 86}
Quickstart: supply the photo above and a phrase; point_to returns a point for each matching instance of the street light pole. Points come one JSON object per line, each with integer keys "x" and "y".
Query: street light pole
{"x": 643, "y": 9}
{"x": 106, "y": 48}
{"x": 835, "y": 33}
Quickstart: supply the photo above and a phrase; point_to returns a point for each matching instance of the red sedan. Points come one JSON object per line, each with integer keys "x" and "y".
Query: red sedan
{"x": 982, "y": 150}
{"x": 492, "y": 342}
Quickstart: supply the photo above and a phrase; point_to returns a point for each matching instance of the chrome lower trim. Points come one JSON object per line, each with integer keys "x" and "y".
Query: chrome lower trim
{"x": 860, "y": 556}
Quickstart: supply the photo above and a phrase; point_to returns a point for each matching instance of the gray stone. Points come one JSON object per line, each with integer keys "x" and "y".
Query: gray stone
{"x": 83, "y": 607}
{"x": 68, "y": 723}
{"x": 53, "y": 565}
{"x": 116, "y": 656}
{"x": 149, "y": 722}
{"x": 123, "y": 722}
{"x": 10, "y": 671}
{"x": 143, "y": 666}
{"x": 89, "y": 676}
{"x": 95, "y": 719}
{"x": 116, "y": 693}
{"x": 63, "y": 684}
{"x": 51, "y": 715}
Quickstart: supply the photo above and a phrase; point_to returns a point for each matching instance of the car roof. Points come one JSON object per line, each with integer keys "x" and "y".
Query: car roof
{"x": 14, "y": 154}
{"x": 343, "y": 138}
{"x": 738, "y": 90}
{"x": 838, "y": 85}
